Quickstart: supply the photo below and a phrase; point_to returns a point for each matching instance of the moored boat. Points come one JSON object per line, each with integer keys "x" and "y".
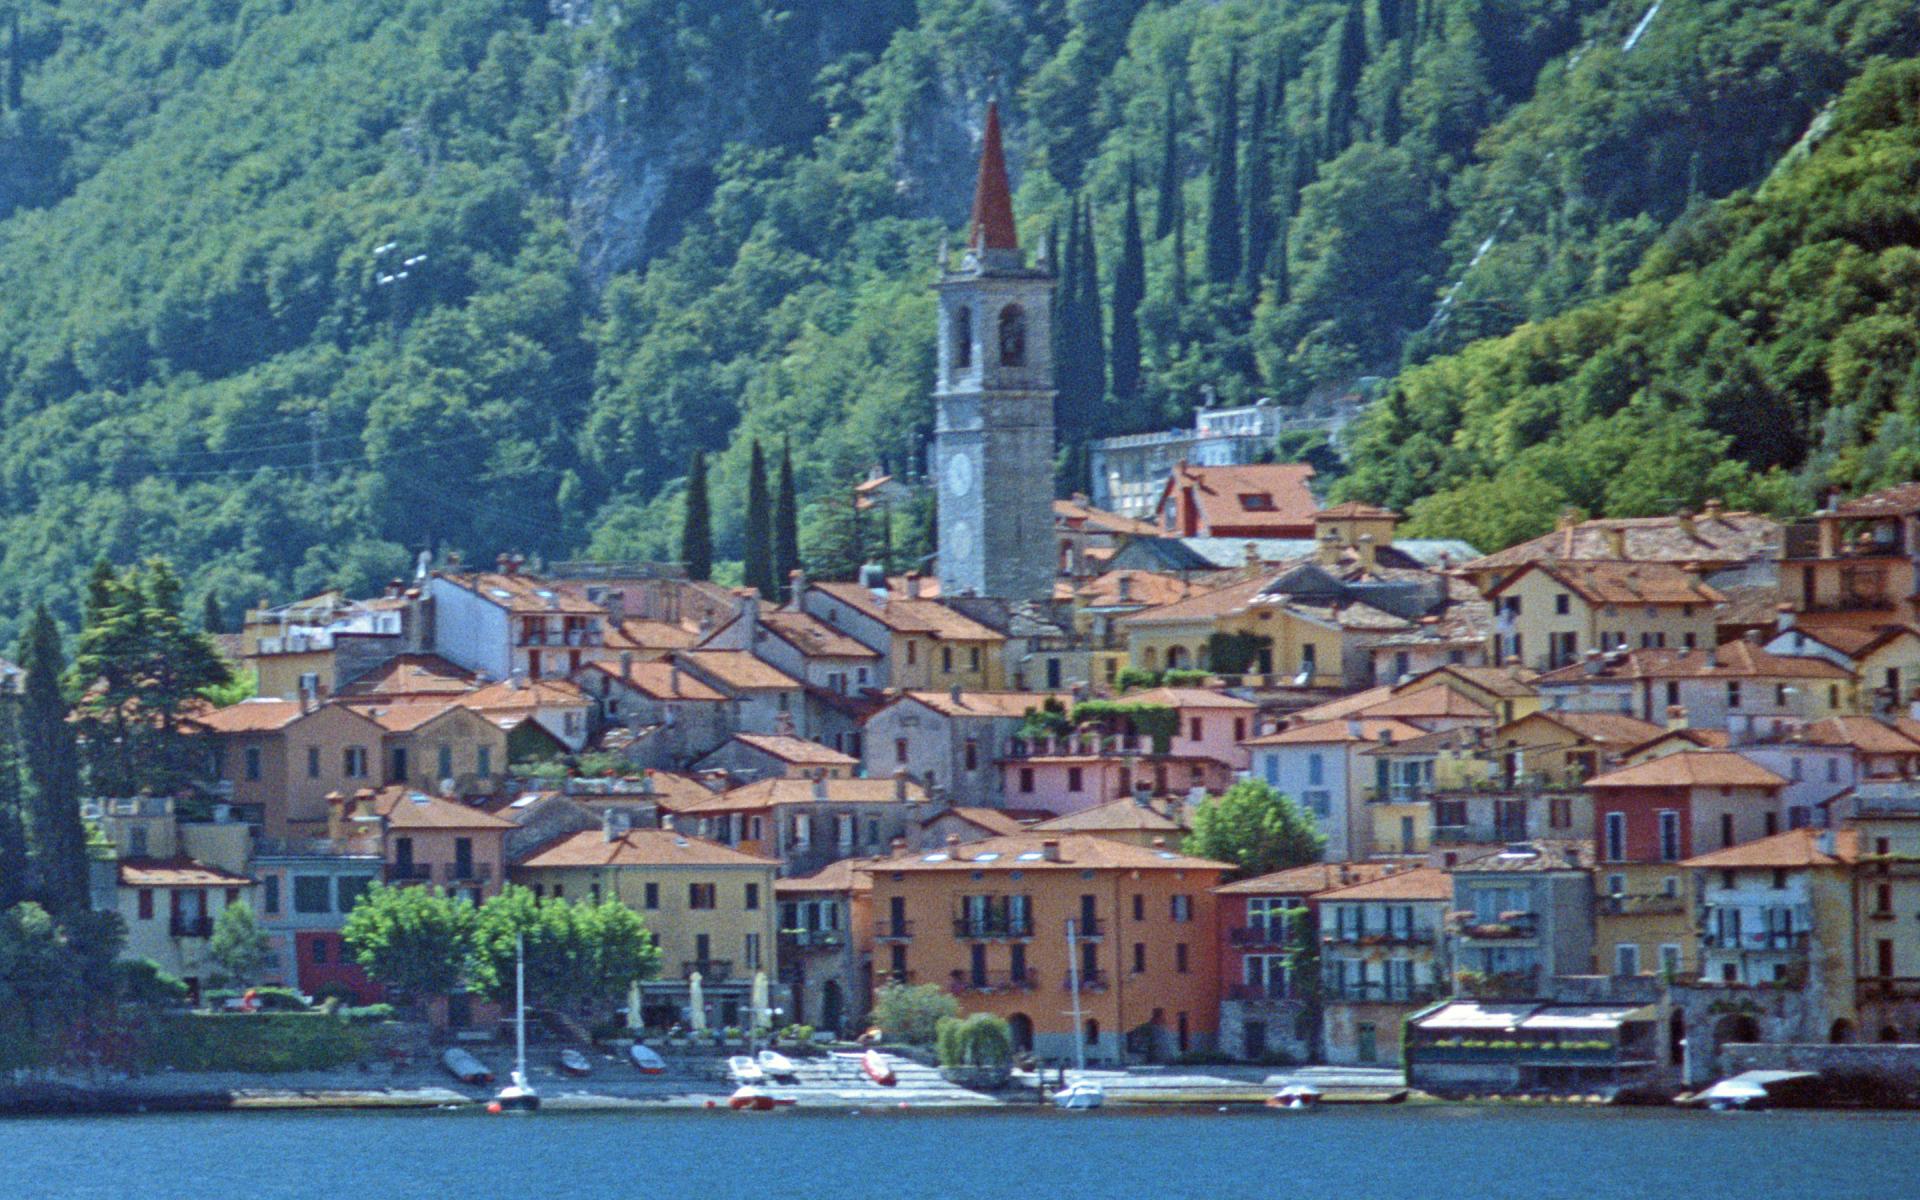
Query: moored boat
{"x": 878, "y": 1069}
{"x": 778, "y": 1066}
{"x": 1081, "y": 1094}
{"x": 647, "y": 1059}
{"x": 574, "y": 1063}
{"x": 464, "y": 1066}
{"x": 1296, "y": 1097}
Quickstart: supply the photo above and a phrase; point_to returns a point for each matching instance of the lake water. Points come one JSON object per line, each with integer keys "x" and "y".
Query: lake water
{"x": 1464, "y": 1152}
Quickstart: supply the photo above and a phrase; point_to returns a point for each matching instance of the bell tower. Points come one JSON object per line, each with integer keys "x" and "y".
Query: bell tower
{"x": 993, "y": 403}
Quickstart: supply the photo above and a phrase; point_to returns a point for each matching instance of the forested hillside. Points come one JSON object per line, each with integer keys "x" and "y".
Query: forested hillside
{"x": 289, "y": 291}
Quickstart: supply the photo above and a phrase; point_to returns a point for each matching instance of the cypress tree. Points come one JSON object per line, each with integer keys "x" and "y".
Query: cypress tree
{"x": 1129, "y": 289}
{"x": 1169, "y": 205}
{"x": 16, "y": 70}
{"x": 13, "y": 826}
{"x": 1179, "y": 268}
{"x": 696, "y": 530}
{"x": 1260, "y": 220}
{"x": 1223, "y": 200}
{"x": 786, "y": 523}
{"x": 1282, "y": 284}
{"x": 56, "y": 841}
{"x": 1094, "y": 348}
{"x": 1350, "y": 60}
{"x": 212, "y": 619}
{"x": 756, "y": 560}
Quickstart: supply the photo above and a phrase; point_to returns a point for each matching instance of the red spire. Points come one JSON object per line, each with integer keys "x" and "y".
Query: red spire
{"x": 992, "y": 199}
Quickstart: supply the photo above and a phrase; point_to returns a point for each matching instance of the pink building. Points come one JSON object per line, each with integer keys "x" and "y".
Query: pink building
{"x": 1097, "y": 764}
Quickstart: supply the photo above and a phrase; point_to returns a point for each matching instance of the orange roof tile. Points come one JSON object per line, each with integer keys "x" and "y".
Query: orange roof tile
{"x": 1257, "y": 499}
{"x": 1145, "y": 588}
{"x": 1205, "y": 605}
{"x": 179, "y": 871}
{"x": 1428, "y": 703}
{"x": 1615, "y": 582}
{"x": 1862, "y": 733}
{"x": 1423, "y": 883}
{"x": 404, "y": 718}
{"x": 658, "y": 680}
{"x": 1333, "y": 732}
{"x": 902, "y": 615}
{"x": 1735, "y": 660}
{"x": 523, "y": 594}
{"x": 405, "y": 808}
{"x": 1308, "y": 880}
{"x": 1691, "y": 768}
{"x": 638, "y": 848}
{"x": 1078, "y": 513}
{"x": 637, "y": 633}
{"x": 1117, "y": 816}
{"x": 527, "y": 693}
{"x": 1026, "y": 852}
{"x": 258, "y": 715}
{"x": 993, "y": 820}
{"x": 987, "y": 704}
{"x": 410, "y": 675}
{"x": 1604, "y": 729}
{"x": 767, "y": 793}
{"x": 740, "y": 670}
{"x": 1715, "y": 538}
{"x": 843, "y": 875}
{"x": 814, "y": 637}
{"x": 1344, "y": 706}
{"x": 1186, "y": 697}
{"x": 1794, "y": 848}
{"x": 1900, "y": 501}
{"x": 796, "y": 750}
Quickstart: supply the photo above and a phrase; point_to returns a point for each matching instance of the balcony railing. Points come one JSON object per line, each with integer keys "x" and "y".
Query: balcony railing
{"x": 1259, "y": 935}
{"x": 994, "y": 983}
{"x": 1886, "y": 987}
{"x": 893, "y": 931}
{"x": 896, "y": 978}
{"x": 410, "y": 872}
{"x": 1785, "y": 941}
{"x": 190, "y": 927}
{"x": 812, "y": 939}
{"x": 1090, "y": 981}
{"x": 466, "y": 872}
{"x": 1509, "y": 925}
{"x": 1399, "y": 793}
{"x": 1380, "y": 937}
{"x": 712, "y": 970}
{"x": 1261, "y": 993}
{"x": 1383, "y": 993}
{"x": 978, "y": 928}
{"x": 1642, "y": 906}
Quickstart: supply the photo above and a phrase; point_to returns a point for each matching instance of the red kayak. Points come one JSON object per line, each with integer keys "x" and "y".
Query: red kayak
{"x": 875, "y": 1065}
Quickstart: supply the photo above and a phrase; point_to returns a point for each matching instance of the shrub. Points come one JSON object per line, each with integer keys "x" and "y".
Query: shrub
{"x": 1185, "y": 678}
{"x": 334, "y": 991}
{"x": 142, "y": 981}
{"x": 912, "y": 1013}
{"x": 981, "y": 1040}
{"x": 1130, "y": 678}
{"x": 269, "y": 999}
{"x": 365, "y": 1012}
{"x": 282, "y": 1041}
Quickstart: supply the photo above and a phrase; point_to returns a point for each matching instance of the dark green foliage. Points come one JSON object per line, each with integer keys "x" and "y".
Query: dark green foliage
{"x": 1234, "y": 653}
{"x": 1255, "y": 828}
{"x": 1261, "y": 222}
{"x": 1223, "y": 181}
{"x": 786, "y": 524}
{"x": 413, "y": 939}
{"x": 1170, "y": 206}
{"x": 756, "y": 561}
{"x": 264, "y": 1042}
{"x": 696, "y": 527}
{"x": 212, "y": 619}
{"x": 1129, "y": 290}
{"x": 55, "y": 838}
{"x": 1350, "y": 59}
{"x": 14, "y": 861}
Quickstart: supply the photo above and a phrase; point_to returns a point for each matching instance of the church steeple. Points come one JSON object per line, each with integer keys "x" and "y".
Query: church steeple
{"x": 992, "y": 226}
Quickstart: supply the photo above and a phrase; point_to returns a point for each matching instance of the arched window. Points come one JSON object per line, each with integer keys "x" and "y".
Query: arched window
{"x": 962, "y": 338}
{"x": 1013, "y": 336}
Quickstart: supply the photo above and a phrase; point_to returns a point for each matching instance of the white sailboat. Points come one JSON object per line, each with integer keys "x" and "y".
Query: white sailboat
{"x": 519, "y": 1095}
{"x": 1081, "y": 1093}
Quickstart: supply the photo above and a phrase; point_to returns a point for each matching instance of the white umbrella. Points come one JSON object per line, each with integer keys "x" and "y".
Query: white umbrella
{"x": 697, "y": 1001}
{"x": 762, "y": 1017}
{"x": 633, "y": 1006}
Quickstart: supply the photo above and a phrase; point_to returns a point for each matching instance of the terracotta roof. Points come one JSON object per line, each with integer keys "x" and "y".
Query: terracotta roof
{"x": 1862, "y": 733}
{"x": 1354, "y": 509}
{"x": 987, "y": 704}
{"x": 1506, "y": 682}
{"x": 843, "y": 875}
{"x": 404, "y": 718}
{"x": 991, "y": 226}
{"x": 1432, "y": 743}
{"x": 1079, "y": 513}
{"x": 658, "y": 680}
{"x": 1258, "y": 498}
{"x": 1794, "y": 848}
{"x": 1423, "y": 883}
{"x": 527, "y": 693}
{"x": 1117, "y": 816}
{"x": 179, "y": 871}
{"x": 1186, "y": 697}
{"x": 741, "y": 671}
{"x": 1616, "y": 582}
{"x": 1309, "y": 880}
{"x": 1344, "y": 705}
{"x": 1539, "y": 855}
{"x": 1908, "y": 726}
{"x": 1145, "y": 588}
{"x": 1716, "y": 538}
{"x": 638, "y": 848}
{"x": 814, "y": 637}
{"x": 1333, "y": 732}
{"x": 1428, "y": 703}
{"x": 404, "y": 808}
{"x": 1600, "y": 728}
{"x": 1900, "y": 501}
{"x": 796, "y": 750}
{"x": 1691, "y": 768}
{"x": 249, "y": 716}
{"x": 1741, "y": 659}
{"x": 1025, "y": 852}
{"x": 902, "y": 615}
{"x": 637, "y": 633}
{"x": 1853, "y": 640}
{"x": 993, "y": 820}
{"x": 771, "y": 792}
{"x": 1204, "y": 605}
{"x": 523, "y": 593}
{"x": 1710, "y": 739}
{"x": 673, "y": 790}
{"x": 410, "y": 675}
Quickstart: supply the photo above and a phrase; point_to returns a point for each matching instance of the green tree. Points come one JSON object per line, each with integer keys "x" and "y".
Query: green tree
{"x": 786, "y": 524}
{"x": 1170, "y": 205}
{"x": 911, "y": 1013}
{"x": 757, "y": 553}
{"x": 238, "y": 947}
{"x": 696, "y": 531}
{"x": 1223, "y": 189}
{"x": 1349, "y": 63}
{"x": 416, "y": 940}
{"x": 55, "y": 837}
{"x": 1255, "y": 828}
{"x": 1129, "y": 290}
{"x": 578, "y": 956}
{"x": 212, "y": 618}
{"x": 14, "y": 859}
{"x": 975, "y": 1040}
{"x": 1261, "y": 223}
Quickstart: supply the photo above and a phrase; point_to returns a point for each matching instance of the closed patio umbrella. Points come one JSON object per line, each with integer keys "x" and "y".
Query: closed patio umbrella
{"x": 697, "y": 1001}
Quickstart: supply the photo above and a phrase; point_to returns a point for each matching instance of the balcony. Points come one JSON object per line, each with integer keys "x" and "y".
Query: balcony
{"x": 466, "y": 873}
{"x": 1380, "y": 937}
{"x": 1259, "y": 935}
{"x": 1776, "y": 941}
{"x": 893, "y": 931}
{"x": 1088, "y": 929}
{"x": 1382, "y": 993}
{"x": 190, "y": 927}
{"x": 992, "y": 927}
{"x": 993, "y": 983}
{"x": 1509, "y": 926}
{"x": 1090, "y": 981}
{"x": 1261, "y": 993}
{"x": 408, "y": 872}
{"x": 1399, "y": 793}
{"x": 712, "y": 970}
{"x": 1642, "y": 906}
{"x": 812, "y": 939}
{"x": 1888, "y": 987}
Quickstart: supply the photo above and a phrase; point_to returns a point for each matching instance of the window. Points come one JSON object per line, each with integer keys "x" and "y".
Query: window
{"x": 971, "y": 754}
{"x": 1616, "y": 827}
{"x": 913, "y": 652}
{"x": 1673, "y": 693}
{"x": 1181, "y": 908}
{"x": 1194, "y": 729}
{"x": 1180, "y": 958}
{"x": 311, "y": 893}
{"x": 946, "y": 659}
{"x": 483, "y": 761}
{"x": 1626, "y": 959}
{"x": 753, "y": 951}
{"x": 351, "y": 888}
{"x": 1316, "y": 768}
{"x": 1139, "y": 958}
{"x": 354, "y": 762}
{"x": 1733, "y": 693}
{"x": 1616, "y": 885}
{"x": 1669, "y": 836}
{"x": 1026, "y": 779}
{"x": 146, "y": 904}
{"x": 317, "y": 950}
{"x": 1239, "y": 729}
{"x": 651, "y": 896}
{"x": 1779, "y": 878}
{"x": 1139, "y": 907}
{"x": 973, "y": 658}
{"x": 1562, "y": 604}
{"x": 961, "y": 338}
{"x": 1560, "y": 812}
{"x": 1726, "y": 829}
{"x": 1780, "y": 695}
{"x": 1013, "y": 336}
{"x": 1669, "y": 959}
{"x": 253, "y": 762}
{"x": 1833, "y": 770}
{"x": 313, "y": 762}
{"x": 801, "y": 832}
{"x": 445, "y": 762}
{"x": 700, "y": 895}
{"x": 270, "y": 894}
{"x": 900, "y": 750}
{"x": 753, "y": 897}
{"x": 1771, "y": 822}
{"x": 1073, "y": 779}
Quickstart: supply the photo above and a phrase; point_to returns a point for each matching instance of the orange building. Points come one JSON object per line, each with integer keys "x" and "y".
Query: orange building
{"x": 988, "y": 921}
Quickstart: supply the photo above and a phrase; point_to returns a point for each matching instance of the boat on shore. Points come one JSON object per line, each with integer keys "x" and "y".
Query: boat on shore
{"x": 748, "y": 1098}
{"x": 876, "y": 1067}
{"x": 647, "y": 1059}
{"x": 1296, "y": 1097}
{"x": 572, "y": 1062}
{"x": 745, "y": 1070}
{"x": 519, "y": 1096}
{"x": 465, "y": 1067}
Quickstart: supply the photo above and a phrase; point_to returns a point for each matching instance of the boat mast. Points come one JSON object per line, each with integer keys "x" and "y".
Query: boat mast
{"x": 1073, "y": 986}
{"x": 520, "y": 1005}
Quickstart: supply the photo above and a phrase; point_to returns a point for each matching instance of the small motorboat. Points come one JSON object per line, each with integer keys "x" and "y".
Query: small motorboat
{"x": 647, "y": 1059}
{"x": 878, "y": 1069}
{"x": 465, "y": 1067}
{"x": 1296, "y": 1097}
{"x": 517, "y": 1097}
{"x": 748, "y": 1098}
{"x": 745, "y": 1070}
{"x": 1080, "y": 1094}
{"x": 574, "y": 1063}
{"x": 1735, "y": 1095}
{"x": 778, "y": 1067}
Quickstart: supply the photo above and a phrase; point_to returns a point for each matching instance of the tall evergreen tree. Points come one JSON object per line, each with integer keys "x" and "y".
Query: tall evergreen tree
{"x": 1091, "y": 313}
{"x": 1281, "y": 270}
{"x": 1169, "y": 205}
{"x": 1223, "y": 196}
{"x": 16, "y": 70}
{"x": 13, "y": 822}
{"x": 696, "y": 529}
{"x": 56, "y": 840}
{"x": 1179, "y": 268}
{"x": 1350, "y": 61}
{"x": 212, "y": 618}
{"x": 1129, "y": 290}
{"x": 786, "y": 524}
{"x": 756, "y": 563}
{"x": 1259, "y": 204}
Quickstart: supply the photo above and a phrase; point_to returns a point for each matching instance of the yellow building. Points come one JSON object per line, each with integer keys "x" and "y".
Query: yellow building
{"x": 1174, "y": 636}
{"x": 426, "y": 744}
{"x": 1551, "y": 614}
{"x": 927, "y": 644}
{"x": 1858, "y": 557}
{"x": 1506, "y": 692}
{"x": 711, "y": 909}
{"x": 1564, "y": 749}
{"x": 173, "y": 881}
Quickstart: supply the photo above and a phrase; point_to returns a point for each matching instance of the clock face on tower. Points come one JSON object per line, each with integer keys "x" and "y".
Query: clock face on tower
{"x": 960, "y": 539}
{"x": 960, "y": 473}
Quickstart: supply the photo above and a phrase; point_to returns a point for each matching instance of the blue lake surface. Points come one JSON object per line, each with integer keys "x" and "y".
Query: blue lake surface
{"x": 1465, "y": 1152}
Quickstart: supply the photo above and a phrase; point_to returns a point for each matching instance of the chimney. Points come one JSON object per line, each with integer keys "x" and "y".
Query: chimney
{"x": 1594, "y": 662}
{"x": 1143, "y": 794}
{"x": 1676, "y": 717}
{"x": 1328, "y": 551}
{"x": 614, "y": 823}
{"x": 898, "y": 845}
{"x": 1364, "y": 546}
{"x": 1684, "y": 519}
{"x": 953, "y": 694}
{"x": 1712, "y": 508}
{"x": 913, "y": 585}
{"x": 1354, "y": 729}
{"x": 750, "y": 617}
{"x": 899, "y": 783}
{"x": 796, "y": 587}
{"x": 1567, "y": 520}
{"x": 1050, "y": 850}
{"x": 1159, "y": 843}
{"x": 503, "y": 562}
{"x": 1616, "y": 542}
{"x": 626, "y": 664}
{"x": 1786, "y": 619}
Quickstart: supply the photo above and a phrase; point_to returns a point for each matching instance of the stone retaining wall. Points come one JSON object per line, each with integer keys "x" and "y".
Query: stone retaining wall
{"x": 1898, "y": 1063}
